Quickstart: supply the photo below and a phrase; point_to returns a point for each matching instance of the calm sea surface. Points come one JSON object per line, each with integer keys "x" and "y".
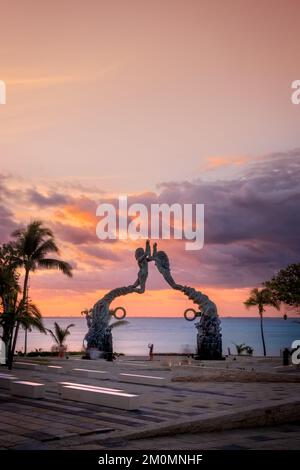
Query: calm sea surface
{"x": 173, "y": 335}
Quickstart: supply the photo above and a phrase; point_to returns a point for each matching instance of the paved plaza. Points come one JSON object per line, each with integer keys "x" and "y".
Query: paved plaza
{"x": 189, "y": 395}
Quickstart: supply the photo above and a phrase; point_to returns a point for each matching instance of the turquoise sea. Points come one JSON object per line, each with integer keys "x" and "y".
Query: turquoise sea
{"x": 174, "y": 335}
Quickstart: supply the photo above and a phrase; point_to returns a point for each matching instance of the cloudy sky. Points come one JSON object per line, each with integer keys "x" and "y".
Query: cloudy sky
{"x": 166, "y": 101}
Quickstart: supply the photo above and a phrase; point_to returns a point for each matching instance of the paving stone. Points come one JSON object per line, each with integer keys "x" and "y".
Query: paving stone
{"x": 39, "y": 436}
{"x": 63, "y": 420}
{"x": 262, "y": 438}
{"x": 233, "y": 447}
{"x": 35, "y": 445}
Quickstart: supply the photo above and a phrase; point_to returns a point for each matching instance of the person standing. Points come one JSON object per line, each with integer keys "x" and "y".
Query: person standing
{"x": 150, "y": 346}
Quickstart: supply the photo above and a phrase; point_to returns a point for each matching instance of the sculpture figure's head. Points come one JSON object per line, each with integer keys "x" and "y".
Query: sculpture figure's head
{"x": 139, "y": 252}
{"x": 163, "y": 260}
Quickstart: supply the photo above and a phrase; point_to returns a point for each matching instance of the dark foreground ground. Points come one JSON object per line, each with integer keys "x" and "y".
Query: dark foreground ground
{"x": 205, "y": 391}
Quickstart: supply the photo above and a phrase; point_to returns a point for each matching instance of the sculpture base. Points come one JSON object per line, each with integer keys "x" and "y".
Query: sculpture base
{"x": 209, "y": 358}
{"x": 94, "y": 354}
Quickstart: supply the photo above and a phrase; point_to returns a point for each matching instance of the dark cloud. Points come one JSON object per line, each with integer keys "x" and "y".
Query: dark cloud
{"x": 53, "y": 199}
{"x": 3, "y": 186}
{"x": 87, "y": 187}
{"x": 7, "y": 224}
{"x": 100, "y": 253}
{"x": 74, "y": 235}
{"x": 252, "y": 224}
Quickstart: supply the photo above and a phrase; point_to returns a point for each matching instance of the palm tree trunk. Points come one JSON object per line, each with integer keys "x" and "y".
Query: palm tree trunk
{"x": 25, "y": 341}
{"x": 6, "y": 354}
{"x": 14, "y": 342}
{"x": 10, "y": 356}
{"x": 5, "y": 327}
{"x": 8, "y": 345}
{"x": 262, "y": 332}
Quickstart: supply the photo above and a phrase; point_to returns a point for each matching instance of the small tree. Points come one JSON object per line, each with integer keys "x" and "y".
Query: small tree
{"x": 285, "y": 285}
{"x": 249, "y": 350}
{"x": 260, "y": 299}
{"x": 28, "y": 316}
{"x": 60, "y": 335}
{"x": 240, "y": 348}
{"x": 117, "y": 323}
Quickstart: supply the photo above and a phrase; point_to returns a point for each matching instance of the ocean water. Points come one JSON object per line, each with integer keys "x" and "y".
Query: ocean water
{"x": 174, "y": 335}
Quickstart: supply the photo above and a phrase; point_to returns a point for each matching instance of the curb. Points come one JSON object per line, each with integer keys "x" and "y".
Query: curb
{"x": 261, "y": 415}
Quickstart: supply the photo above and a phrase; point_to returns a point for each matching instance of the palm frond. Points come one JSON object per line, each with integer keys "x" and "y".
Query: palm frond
{"x": 29, "y": 316}
{"x": 47, "y": 246}
{"x": 250, "y": 303}
{"x": 53, "y": 335}
{"x": 62, "y": 266}
{"x": 118, "y": 323}
{"x": 59, "y": 335}
{"x": 261, "y": 298}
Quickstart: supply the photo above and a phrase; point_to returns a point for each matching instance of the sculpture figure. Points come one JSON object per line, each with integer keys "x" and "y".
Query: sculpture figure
{"x": 143, "y": 257}
{"x": 209, "y": 337}
{"x": 163, "y": 265}
{"x": 97, "y": 335}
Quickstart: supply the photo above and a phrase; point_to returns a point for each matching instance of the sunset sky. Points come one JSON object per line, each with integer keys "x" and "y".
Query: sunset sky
{"x": 183, "y": 101}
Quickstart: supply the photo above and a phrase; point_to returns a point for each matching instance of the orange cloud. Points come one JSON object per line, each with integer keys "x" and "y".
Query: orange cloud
{"x": 50, "y": 80}
{"x": 42, "y": 81}
{"x": 216, "y": 162}
{"x": 76, "y": 216}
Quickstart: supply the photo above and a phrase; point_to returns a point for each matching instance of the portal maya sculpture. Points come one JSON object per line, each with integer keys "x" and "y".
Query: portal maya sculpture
{"x": 209, "y": 337}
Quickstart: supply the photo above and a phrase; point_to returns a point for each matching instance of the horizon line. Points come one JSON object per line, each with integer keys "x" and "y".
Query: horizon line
{"x": 169, "y": 316}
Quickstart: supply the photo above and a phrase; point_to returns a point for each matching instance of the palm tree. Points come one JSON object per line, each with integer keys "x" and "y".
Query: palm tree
{"x": 33, "y": 244}
{"x": 9, "y": 290}
{"x": 28, "y": 316}
{"x": 117, "y": 323}
{"x": 261, "y": 298}
{"x": 60, "y": 334}
{"x": 240, "y": 348}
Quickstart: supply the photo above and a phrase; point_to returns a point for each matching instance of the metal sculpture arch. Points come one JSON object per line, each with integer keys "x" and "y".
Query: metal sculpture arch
{"x": 209, "y": 337}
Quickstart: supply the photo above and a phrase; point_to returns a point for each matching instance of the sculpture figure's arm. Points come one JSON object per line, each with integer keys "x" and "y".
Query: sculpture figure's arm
{"x": 148, "y": 249}
{"x": 142, "y": 258}
{"x": 151, "y": 257}
{"x": 147, "y": 253}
